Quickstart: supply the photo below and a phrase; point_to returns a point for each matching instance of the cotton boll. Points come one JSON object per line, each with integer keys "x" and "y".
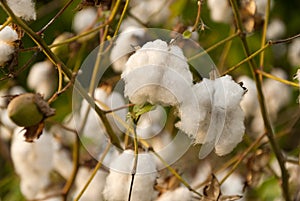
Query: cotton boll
{"x": 275, "y": 98}
{"x": 153, "y": 12}
{"x": 8, "y": 35}
{"x": 157, "y": 73}
{"x": 118, "y": 181}
{"x": 179, "y": 194}
{"x": 95, "y": 188}
{"x": 129, "y": 38}
{"x": 42, "y": 78}
{"x": 62, "y": 162}
{"x": 32, "y": 162}
{"x": 6, "y": 51}
{"x": 23, "y": 8}
{"x": 294, "y": 52}
{"x": 233, "y": 185}
{"x": 220, "y": 11}
{"x": 249, "y": 102}
{"x": 276, "y": 29}
{"x": 261, "y": 6}
{"x": 83, "y": 20}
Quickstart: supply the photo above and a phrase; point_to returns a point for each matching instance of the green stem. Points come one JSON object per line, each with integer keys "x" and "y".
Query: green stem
{"x": 268, "y": 126}
{"x": 263, "y": 38}
{"x": 277, "y": 78}
{"x": 8, "y": 20}
{"x": 122, "y": 17}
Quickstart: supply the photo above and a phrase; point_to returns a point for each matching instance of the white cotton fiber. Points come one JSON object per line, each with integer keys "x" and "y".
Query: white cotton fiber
{"x": 23, "y": 8}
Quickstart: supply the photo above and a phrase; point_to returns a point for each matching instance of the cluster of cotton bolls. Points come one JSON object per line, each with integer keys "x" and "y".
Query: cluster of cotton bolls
{"x": 158, "y": 73}
{"x": 7, "y": 38}
{"x": 275, "y": 99}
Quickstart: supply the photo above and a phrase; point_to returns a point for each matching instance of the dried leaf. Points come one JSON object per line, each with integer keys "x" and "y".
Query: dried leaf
{"x": 43, "y": 106}
{"x": 212, "y": 191}
{"x": 34, "y": 132}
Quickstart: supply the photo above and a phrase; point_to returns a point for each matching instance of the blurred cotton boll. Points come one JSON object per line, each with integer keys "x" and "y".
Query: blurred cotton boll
{"x": 157, "y": 73}
{"x": 276, "y": 29}
{"x": 32, "y": 162}
{"x": 153, "y": 12}
{"x": 261, "y": 6}
{"x": 42, "y": 78}
{"x": 179, "y": 194}
{"x": 95, "y": 188}
{"x": 118, "y": 181}
{"x": 84, "y": 20}
{"x": 294, "y": 52}
{"x": 23, "y": 8}
{"x": 220, "y": 11}
{"x": 124, "y": 45}
{"x": 6, "y": 51}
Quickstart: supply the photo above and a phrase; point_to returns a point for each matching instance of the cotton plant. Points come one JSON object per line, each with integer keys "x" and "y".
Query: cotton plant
{"x": 118, "y": 181}
{"x": 7, "y": 48}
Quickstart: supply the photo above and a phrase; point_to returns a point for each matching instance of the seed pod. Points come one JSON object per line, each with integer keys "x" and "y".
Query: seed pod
{"x": 28, "y": 109}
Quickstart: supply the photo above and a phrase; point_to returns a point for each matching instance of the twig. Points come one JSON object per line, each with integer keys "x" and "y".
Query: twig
{"x": 268, "y": 126}
{"x": 55, "y": 17}
{"x": 198, "y": 16}
{"x": 277, "y": 78}
{"x": 122, "y": 17}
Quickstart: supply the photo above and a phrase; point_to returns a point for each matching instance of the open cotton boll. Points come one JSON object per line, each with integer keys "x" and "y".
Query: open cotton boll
{"x": 118, "y": 181}
{"x": 124, "y": 45}
{"x": 7, "y": 34}
{"x": 218, "y": 118}
{"x": 6, "y": 51}
{"x": 233, "y": 185}
{"x": 42, "y": 78}
{"x": 220, "y": 11}
{"x": 62, "y": 162}
{"x": 276, "y": 99}
{"x": 95, "y": 188}
{"x": 32, "y": 161}
{"x": 261, "y": 6}
{"x": 157, "y": 73}
{"x": 249, "y": 102}
{"x": 83, "y": 20}
{"x": 153, "y": 12}
{"x": 23, "y": 8}
{"x": 276, "y": 29}
{"x": 294, "y": 52}
{"x": 179, "y": 194}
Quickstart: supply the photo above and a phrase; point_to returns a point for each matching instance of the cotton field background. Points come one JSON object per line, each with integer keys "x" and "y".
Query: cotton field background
{"x": 149, "y": 100}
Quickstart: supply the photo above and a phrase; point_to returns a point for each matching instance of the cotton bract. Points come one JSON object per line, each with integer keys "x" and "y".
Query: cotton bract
{"x": 217, "y": 116}
{"x": 157, "y": 73}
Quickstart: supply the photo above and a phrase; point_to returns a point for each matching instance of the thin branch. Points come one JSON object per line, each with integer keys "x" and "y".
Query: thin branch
{"x": 268, "y": 75}
{"x": 55, "y": 17}
{"x": 198, "y": 16}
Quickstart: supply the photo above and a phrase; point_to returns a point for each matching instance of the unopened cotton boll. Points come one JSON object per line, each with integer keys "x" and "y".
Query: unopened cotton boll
{"x": 42, "y": 78}
{"x": 276, "y": 29}
{"x": 294, "y": 52}
{"x": 220, "y": 11}
{"x": 124, "y": 45}
{"x": 23, "y": 8}
{"x": 8, "y": 35}
{"x": 157, "y": 73}
{"x": 119, "y": 179}
{"x": 95, "y": 188}
{"x": 6, "y": 51}
{"x": 153, "y": 12}
{"x": 179, "y": 194}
